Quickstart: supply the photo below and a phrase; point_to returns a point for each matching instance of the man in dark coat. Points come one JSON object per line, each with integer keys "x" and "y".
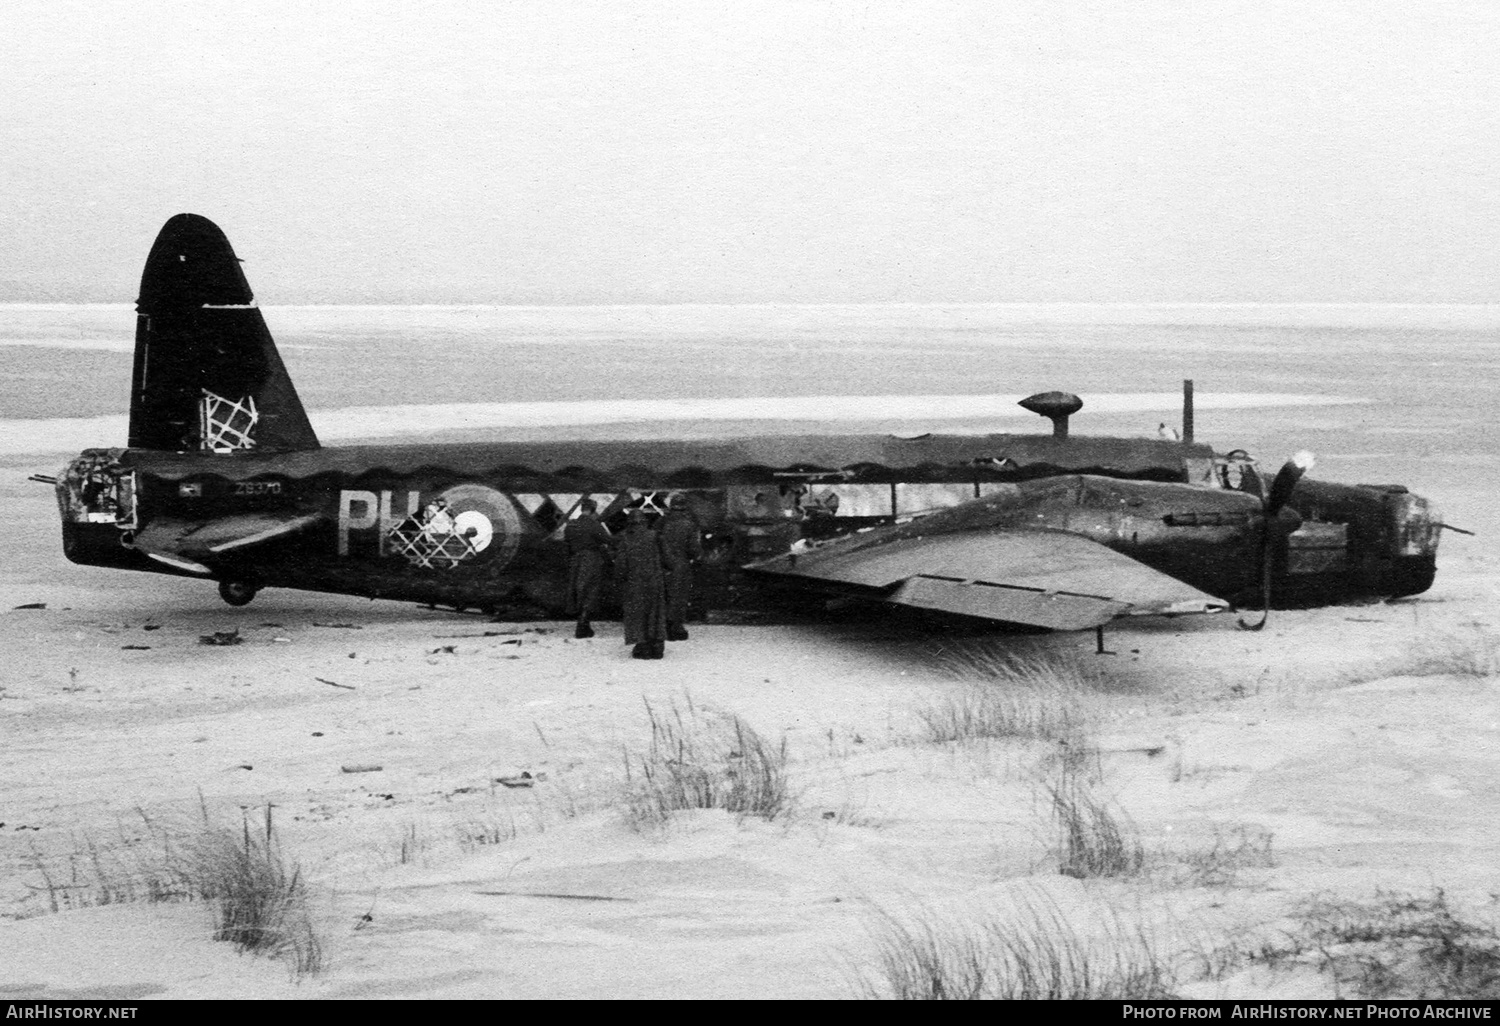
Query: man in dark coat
{"x": 681, "y": 547}
{"x": 588, "y": 543}
{"x": 639, "y": 567}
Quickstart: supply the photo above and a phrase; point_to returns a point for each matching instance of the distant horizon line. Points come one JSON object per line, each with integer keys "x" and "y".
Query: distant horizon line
{"x": 1105, "y": 304}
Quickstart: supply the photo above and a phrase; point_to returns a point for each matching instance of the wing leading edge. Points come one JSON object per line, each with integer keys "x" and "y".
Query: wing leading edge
{"x": 1043, "y": 578}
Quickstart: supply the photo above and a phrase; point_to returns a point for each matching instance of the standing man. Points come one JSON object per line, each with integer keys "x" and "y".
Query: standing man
{"x": 588, "y": 543}
{"x": 681, "y": 547}
{"x": 642, "y": 599}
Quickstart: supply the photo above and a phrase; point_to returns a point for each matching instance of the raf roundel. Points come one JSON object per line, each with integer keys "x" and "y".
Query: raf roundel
{"x": 490, "y": 516}
{"x": 476, "y": 527}
{"x": 458, "y": 526}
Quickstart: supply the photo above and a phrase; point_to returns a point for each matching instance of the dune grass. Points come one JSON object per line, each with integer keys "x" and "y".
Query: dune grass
{"x": 1396, "y": 946}
{"x": 1009, "y": 695}
{"x": 1030, "y": 954}
{"x": 97, "y": 875}
{"x": 696, "y": 759}
{"x": 1094, "y": 838}
{"x": 1230, "y": 852}
{"x": 477, "y": 832}
{"x": 258, "y": 899}
{"x": 1014, "y": 661}
{"x": 992, "y": 711}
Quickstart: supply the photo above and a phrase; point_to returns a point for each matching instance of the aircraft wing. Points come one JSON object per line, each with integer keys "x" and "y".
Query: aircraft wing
{"x": 185, "y": 543}
{"x": 1043, "y": 578}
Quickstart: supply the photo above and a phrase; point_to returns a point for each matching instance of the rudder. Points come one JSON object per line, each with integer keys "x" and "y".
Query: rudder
{"x": 207, "y": 374}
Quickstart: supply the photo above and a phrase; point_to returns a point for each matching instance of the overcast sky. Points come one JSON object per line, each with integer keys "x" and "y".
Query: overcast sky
{"x": 556, "y": 152}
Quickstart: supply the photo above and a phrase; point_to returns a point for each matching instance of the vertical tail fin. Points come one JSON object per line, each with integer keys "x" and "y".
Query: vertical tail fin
{"x": 207, "y": 374}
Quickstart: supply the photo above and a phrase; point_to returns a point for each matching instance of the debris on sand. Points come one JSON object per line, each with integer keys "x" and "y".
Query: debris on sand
{"x": 340, "y": 626}
{"x": 135, "y": 648}
{"x": 361, "y": 767}
{"x": 552, "y": 894}
{"x": 496, "y": 634}
{"x": 31, "y": 605}
{"x": 522, "y": 779}
{"x": 334, "y": 683}
{"x": 151, "y": 627}
{"x": 221, "y": 638}
{"x": 444, "y": 650}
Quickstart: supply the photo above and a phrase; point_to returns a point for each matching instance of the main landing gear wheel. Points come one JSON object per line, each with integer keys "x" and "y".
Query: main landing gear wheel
{"x": 236, "y": 593}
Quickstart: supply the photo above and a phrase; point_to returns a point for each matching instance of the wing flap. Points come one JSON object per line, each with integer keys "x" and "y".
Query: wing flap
{"x": 197, "y": 540}
{"x": 1055, "y": 610}
{"x": 1044, "y": 578}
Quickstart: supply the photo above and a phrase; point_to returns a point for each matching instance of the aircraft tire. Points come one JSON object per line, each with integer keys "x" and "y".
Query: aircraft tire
{"x": 237, "y": 593}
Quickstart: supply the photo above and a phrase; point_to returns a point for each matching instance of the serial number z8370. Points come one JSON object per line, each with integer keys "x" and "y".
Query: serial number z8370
{"x": 257, "y": 488}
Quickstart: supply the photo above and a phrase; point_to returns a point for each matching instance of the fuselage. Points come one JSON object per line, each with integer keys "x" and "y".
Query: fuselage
{"x": 225, "y": 479}
{"x": 481, "y": 525}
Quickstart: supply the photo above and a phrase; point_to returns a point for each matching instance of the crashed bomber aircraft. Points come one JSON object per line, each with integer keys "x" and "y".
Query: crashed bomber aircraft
{"x": 224, "y": 479}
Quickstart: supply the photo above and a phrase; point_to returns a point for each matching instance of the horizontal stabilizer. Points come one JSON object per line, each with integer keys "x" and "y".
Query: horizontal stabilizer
{"x": 199, "y": 540}
{"x": 1044, "y": 578}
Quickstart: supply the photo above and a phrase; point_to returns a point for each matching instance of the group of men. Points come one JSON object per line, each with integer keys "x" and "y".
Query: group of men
{"x": 654, "y": 569}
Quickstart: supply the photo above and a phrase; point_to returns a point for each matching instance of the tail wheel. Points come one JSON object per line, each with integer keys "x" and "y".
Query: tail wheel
{"x": 237, "y": 593}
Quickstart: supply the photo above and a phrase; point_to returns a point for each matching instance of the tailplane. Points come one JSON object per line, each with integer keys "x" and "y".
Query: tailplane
{"x": 207, "y": 374}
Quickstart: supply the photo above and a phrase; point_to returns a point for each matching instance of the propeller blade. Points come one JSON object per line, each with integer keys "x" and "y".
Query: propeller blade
{"x": 1286, "y": 480}
{"x": 1276, "y": 499}
{"x": 1265, "y": 593}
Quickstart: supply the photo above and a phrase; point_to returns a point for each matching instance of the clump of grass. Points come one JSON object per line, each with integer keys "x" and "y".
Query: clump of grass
{"x": 1033, "y": 954}
{"x": 258, "y": 899}
{"x": 1009, "y": 695}
{"x": 1230, "y": 852}
{"x": 993, "y": 711}
{"x": 1046, "y": 670}
{"x": 1094, "y": 839}
{"x": 410, "y": 845}
{"x": 700, "y": 760}
{"x": 1396, "y": 946}
{"x": 96, "y": 875}
{"x": 480, "y": 831}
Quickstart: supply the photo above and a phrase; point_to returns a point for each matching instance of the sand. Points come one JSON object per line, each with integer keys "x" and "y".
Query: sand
{"x": 1358, "y": 742}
